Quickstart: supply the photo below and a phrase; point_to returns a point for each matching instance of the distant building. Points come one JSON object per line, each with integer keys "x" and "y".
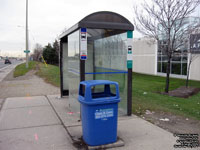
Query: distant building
{"x": 148, "y": 59}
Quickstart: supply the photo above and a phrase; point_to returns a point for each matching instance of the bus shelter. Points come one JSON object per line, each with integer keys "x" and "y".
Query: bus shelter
{"x": 98, "y": 47}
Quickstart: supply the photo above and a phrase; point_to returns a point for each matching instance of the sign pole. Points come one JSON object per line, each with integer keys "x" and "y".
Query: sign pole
{"x": 27, "y": 46}
{"x": 129, "y": 67}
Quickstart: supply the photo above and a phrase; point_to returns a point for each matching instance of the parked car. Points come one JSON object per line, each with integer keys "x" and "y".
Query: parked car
{"x": 7, "y": 61}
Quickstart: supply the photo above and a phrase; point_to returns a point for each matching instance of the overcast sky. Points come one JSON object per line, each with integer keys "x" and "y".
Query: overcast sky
{"x": 47, "y": 18}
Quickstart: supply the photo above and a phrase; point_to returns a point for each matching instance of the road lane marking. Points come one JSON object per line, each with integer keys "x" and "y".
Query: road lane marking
{"x": 4, "y": 67}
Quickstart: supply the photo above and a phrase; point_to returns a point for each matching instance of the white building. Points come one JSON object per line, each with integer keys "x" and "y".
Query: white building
{"x": 148, "y": 60}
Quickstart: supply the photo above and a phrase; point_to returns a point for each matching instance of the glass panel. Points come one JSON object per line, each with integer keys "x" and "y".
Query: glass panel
{"x": 97, "y": 88}
{"x": 164, "y": 67}
{"x": 184, "y": 58}
{"x": 159, "y": 67}
{"x": 108, "y": 60}
{"x": 184, "y": 69}
{"x": 176, "y": 68}
{"x": 159, "y": 58}
{"x": 65, "y": 67}
{"x": 100, "y": 91}
{"x": 73, "y": 70}
{"x": 176, "y": 58}
{"x": 164, "y": 58}
{"x": 89, "y": 63}
{"x": 113, "y": 89}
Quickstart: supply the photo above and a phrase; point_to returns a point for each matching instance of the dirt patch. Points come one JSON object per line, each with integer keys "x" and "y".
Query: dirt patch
{"x": 27, "y": 76}
{"x": 183, "y": 92}
{"x": 173, "y": 123}
{"x": 80, "y": 144}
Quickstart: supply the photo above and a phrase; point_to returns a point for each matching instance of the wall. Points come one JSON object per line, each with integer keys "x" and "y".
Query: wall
{"x": 145, "y": 56}
{"x": 195, "y": 68}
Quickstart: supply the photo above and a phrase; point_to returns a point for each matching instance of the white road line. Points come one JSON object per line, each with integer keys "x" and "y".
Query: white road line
{"x": 4, "y": 67}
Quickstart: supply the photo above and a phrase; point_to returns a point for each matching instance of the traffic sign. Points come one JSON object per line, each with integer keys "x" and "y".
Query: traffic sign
{"x": 26, "y": 51}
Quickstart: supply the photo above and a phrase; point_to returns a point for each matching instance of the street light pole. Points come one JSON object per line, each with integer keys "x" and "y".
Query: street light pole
{"x": 27, "y": 46}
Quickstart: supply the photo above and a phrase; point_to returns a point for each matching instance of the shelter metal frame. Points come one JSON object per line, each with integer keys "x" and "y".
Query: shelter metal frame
{"x": 99, "y": 20}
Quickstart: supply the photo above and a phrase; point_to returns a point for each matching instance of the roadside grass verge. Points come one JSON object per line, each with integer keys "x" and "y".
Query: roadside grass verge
{"x": 21, "y": 69}
{"x": 51, "y": 74}
{"x": 145, "y": 90}
{"x": 146, "y": 96}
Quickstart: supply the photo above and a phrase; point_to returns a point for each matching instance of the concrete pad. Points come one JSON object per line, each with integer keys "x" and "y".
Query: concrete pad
{"x": 27, "y": 117}
{"x": 115, "y": 145}
{"x": 75, "y": 132}
{"x": 139, "y": 134}
{"x": 68, "y": 117}
{"x": 39, "y": 138}
{"x": 18, "y": 102}
{"x": 136, "y": 133}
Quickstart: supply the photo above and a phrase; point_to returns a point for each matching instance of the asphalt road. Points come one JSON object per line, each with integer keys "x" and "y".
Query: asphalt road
{"x": 13, "y": 61}
{"x": 7, "y": 68}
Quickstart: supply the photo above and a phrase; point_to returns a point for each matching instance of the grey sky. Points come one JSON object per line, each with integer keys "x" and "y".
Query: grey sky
{"x": 47, "y": 18}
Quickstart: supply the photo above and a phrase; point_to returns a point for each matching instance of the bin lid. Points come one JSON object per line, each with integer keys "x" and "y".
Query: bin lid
{"x": 99, "y": 101}
{"x": 103, "y": 99}
{"x": 97, "y": 82}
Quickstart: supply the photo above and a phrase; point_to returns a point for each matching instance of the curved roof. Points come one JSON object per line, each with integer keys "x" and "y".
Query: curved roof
{"x": 106, "y": 19}
{"x": 102, "y": 20}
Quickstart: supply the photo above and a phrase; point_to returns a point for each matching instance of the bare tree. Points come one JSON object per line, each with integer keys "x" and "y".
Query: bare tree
{"x": 37, "y": 52}
{"x": 165, "y": 20}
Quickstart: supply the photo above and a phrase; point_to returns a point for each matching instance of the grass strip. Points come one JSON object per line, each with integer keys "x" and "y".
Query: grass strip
{"x": 21, "y": 69}
{"x": 51, "y": 74}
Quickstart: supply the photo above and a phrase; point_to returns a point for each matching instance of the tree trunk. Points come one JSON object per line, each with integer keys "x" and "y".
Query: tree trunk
{"x": 188, "y": 73}
{"x": 167, "y": 77}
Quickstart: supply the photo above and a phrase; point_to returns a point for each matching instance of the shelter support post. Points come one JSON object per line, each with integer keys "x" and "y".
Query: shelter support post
{"x": 82, "y": 70}
{"x": 61, "y": 68}
{"x": 129, "y": 95}
{"x": 129, "y": 66}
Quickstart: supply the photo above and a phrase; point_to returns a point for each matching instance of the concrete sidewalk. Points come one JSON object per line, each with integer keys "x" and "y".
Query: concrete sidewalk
{"x": 30, "y": 123}
{"x": 47, "y": 123}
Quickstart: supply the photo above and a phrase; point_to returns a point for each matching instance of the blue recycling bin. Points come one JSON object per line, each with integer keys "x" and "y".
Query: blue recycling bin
{"x": 99, "y": 111}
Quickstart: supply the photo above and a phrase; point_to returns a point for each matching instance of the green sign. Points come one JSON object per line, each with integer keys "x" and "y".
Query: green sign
{"x": 129, "y": 49}
{"x": 26, "y": 51}
{"x": 129, "y": 64}
{"x": 130, "y": 34}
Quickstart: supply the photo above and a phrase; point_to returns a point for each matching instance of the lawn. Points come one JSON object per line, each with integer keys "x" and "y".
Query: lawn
{"x": 146, "y": 90}
{"x": 21, "y": 69}
{"x": 145, "y": 96}
{"x": 50, "y": 74}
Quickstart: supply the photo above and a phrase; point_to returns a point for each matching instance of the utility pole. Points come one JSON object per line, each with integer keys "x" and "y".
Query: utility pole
{"x": 27, "y": 46}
